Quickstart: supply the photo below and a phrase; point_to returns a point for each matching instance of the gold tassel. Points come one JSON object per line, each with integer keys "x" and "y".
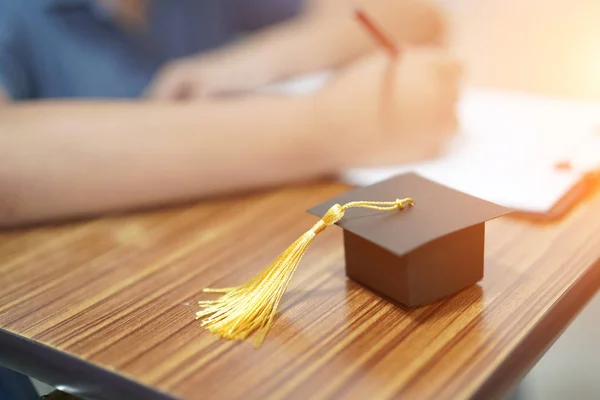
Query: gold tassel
{"x": 253, "y": 305}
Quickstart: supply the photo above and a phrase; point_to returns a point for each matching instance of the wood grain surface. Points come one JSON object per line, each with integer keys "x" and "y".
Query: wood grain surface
{"x": 121, "y": 292}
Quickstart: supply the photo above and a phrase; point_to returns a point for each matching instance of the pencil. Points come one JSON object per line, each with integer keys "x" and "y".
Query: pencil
{"x": 377, "y": 33}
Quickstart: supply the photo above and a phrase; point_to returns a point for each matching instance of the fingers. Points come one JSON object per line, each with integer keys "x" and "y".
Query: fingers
{"x": 167, "y": 85}
{"x": 428, "y": 24}
{"x": 417, "y": 22}
{"x": 449, "y": 69}
{"x": 175, "y": 82}
{"x": 448, "y": 72}
{"x": 170, "y": 90}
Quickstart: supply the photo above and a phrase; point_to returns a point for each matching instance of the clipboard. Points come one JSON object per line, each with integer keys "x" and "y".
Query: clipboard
{"x": 482, "y": 109}
{"x": 585, "y": 157}
{"x": 584, "y": 188}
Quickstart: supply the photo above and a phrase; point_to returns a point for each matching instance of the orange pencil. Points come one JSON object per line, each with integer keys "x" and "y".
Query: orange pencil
{"x": 377, "y": 33}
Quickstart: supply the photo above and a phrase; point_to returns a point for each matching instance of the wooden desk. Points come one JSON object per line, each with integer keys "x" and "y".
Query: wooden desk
{"x": 106, "y": 307}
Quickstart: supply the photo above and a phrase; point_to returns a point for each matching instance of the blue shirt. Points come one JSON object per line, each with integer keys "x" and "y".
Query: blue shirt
{"x": 73, "y": 48}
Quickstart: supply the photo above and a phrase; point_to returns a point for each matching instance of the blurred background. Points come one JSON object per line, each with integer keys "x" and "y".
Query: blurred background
{"x": 571, "y": 368}
{"x": 548, "y": 47}
{"x": 543, "y": 46}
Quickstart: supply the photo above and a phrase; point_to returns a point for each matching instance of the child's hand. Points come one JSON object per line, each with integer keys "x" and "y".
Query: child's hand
{"x": 385, "y": 111}
{"x": 201, "y": 77}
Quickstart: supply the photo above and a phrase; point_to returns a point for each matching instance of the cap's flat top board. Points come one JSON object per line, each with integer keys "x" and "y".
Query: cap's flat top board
{"x": 438, "y": 211}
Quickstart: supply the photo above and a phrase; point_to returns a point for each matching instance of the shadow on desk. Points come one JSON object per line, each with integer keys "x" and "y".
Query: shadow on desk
{"x": 15, "y": 386}
{"x": 377, "y": 330}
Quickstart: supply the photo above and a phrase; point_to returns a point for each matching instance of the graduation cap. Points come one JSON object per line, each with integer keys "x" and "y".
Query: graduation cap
{"x": 416, "y": 257}
{"x": 412, "y": 250}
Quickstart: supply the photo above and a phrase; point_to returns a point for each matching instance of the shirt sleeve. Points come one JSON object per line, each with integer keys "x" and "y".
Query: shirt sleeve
{"x": 256, "y": 14}
{"x": 13, "y": 76}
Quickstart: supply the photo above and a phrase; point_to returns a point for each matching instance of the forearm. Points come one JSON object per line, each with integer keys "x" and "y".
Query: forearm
{"x": 328, "y": 37}
{"x": 295, "y": 48}
{"x": 111, "y": 156}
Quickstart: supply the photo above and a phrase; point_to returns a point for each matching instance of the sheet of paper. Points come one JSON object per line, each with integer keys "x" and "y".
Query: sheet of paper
{"x": 302, "y": 85}
{"x": 507, "y": 150}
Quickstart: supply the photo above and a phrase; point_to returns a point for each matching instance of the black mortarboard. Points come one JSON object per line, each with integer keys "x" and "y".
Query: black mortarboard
{"x": 434, "y": 249}
{"x": 412, "y": 255}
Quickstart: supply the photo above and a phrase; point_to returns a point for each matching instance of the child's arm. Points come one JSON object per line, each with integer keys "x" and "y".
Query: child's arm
{"x": 326, "y": 36}
{"x": 70, "y": 159}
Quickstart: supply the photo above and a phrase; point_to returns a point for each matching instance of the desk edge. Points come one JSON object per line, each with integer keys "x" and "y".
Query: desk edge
{"x": 64, "y": 371}
{"x": 535, "y": 344}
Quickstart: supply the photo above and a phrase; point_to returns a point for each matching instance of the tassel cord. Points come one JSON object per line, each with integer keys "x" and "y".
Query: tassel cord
{"x": 252, "y": 306}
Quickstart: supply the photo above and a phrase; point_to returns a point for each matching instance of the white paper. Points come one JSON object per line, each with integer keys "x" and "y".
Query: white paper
{"x": 508, "y": 148}
{"x": 302, "y": 85}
